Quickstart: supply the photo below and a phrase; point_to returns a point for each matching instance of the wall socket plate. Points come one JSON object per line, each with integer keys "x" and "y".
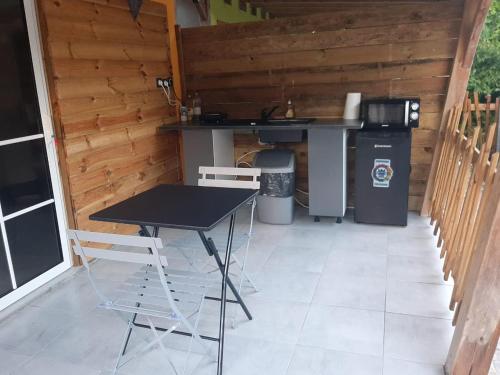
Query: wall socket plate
{"x": 164, "y": 82}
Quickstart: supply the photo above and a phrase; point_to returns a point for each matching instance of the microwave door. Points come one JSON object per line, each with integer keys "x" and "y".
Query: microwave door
{"x": 384, "y": 116}
{"x": 396, "y": 115}
{"x": 372, "y": 114}
{"x": 377, "y": 114}
{"x": 387, "y": 115}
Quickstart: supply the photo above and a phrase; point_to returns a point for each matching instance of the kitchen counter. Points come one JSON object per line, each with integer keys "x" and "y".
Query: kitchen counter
{"x": 238, "y": 125}
{"x": 213, "y": 145}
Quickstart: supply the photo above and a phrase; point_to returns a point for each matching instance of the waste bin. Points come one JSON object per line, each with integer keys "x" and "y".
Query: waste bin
{"x": 277, "y": 186}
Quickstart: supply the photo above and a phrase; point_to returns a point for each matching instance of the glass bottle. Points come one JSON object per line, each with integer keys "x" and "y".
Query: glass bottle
{"x": 196, "y": 107}
{"x": 190, "y": 107}
{"x": 290, "y": 113}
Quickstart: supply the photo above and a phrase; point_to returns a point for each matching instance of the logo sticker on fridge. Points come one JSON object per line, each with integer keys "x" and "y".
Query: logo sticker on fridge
{"x": 382, "y": 173}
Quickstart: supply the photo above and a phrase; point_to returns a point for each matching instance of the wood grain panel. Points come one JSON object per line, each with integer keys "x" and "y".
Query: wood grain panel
{"x": 377, "y": 35}
{"x": 93, "y": 104}
{"x": 72, "y": 30}
{"x": 391, "y": 50}
{"x": 70, "y": 68}
{"x": 340, "y": 74}
{"x": 103, "y": 13}
{"x": 412, "y": 51}
{"x": 147, "y": 7}
{"x": 117, "y": 120}
{"x": 68, "y": 88}
{"x": 85, "y": 49}
{"x": 102, "y": 67}
{"x": 289, "y": 8}
{"x": 346, "y": 18}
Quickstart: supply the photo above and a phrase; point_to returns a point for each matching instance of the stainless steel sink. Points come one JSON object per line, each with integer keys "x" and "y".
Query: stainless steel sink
{"x": 284, "y": 121}
{"x": 290, "y": 121}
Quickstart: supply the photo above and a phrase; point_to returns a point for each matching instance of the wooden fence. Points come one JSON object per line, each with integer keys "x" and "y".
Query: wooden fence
{"x": 466, "y": 172}
{"x": 483, "y": 114}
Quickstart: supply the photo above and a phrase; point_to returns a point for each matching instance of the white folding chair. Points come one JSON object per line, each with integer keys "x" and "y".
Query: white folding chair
{"x": 228, "y": 177}
{"x": 153, "y": 292}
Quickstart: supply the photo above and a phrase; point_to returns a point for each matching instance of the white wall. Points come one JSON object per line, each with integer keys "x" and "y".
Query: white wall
{"x": 187, "y": 15}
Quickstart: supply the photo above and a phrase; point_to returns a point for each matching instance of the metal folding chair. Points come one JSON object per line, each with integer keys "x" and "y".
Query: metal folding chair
{"x": 154, "y": 292}
{"x": 228, "y": 177}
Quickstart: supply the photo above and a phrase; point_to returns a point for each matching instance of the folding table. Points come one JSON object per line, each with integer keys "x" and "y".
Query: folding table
{"x": 196, "y": 208}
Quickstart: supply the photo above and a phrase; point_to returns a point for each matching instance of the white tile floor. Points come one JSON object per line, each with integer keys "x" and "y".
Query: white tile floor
{"x": 495, "y": 366}
{"x": 342, "y": 299}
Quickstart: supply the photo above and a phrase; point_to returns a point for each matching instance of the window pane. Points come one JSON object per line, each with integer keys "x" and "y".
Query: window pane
{"x": 24, "y": 175}
{"x": 34, "y": 243}
{"x": 5, "y": 283}
{"x": 19, "y": 112}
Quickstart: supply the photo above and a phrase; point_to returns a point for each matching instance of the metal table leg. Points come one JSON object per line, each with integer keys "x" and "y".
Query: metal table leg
{"x": 225, "y": 280}
{"x": 212, "y": 250}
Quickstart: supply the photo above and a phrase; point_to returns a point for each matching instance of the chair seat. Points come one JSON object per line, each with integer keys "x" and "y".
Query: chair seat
{"x": 142, "y": 293}
{"x": 153, "y": 291}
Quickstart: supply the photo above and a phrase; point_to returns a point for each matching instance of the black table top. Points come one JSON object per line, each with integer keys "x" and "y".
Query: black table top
{"x": 334, "y": 123}
{"x": 178, "y": 206}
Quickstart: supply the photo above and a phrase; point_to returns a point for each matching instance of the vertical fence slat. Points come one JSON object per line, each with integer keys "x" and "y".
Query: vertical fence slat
{"x": 465, "y": 173}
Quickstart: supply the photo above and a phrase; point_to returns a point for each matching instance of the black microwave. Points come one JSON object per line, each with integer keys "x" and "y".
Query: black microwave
{"x": 390, "y": 113}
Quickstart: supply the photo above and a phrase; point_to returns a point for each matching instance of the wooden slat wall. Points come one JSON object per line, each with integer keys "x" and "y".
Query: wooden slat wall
{"x": 290, "y": 8}
{"x": 390, "y": 50}
{"x": 101, "y": 67}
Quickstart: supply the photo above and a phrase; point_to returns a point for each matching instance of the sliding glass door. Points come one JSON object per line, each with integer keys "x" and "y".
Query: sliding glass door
{"x": 31, "y": 219}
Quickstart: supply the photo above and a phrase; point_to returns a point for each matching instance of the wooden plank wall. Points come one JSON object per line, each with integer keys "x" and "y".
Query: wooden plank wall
{"x": 101, "y": 67}
{"x": 389, "y": 49}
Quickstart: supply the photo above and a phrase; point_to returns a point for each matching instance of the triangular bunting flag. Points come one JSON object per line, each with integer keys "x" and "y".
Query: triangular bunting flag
{"x": 135, "y": 7}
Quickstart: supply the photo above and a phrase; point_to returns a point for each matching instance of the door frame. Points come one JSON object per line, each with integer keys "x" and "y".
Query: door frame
{"x": 34, "y": 35}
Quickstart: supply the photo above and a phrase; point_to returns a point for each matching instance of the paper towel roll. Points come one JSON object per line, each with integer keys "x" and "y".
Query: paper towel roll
{"x": 352, "y": 104}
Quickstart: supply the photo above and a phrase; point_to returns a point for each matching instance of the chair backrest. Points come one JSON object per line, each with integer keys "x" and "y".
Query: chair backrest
{"x": 152, "y": 244}
{"x": 149, "y": 257}
{"x": 229, "y": 172}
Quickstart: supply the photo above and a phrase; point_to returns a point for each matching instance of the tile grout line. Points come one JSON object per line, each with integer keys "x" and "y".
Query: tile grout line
{"x": 304, "y": 321}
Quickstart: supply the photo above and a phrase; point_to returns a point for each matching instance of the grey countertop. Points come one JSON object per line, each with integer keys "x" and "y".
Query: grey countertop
{"x": 237, "y": 125}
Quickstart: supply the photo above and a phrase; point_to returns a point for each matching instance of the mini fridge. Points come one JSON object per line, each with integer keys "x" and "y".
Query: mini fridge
{"x": 383, "y": 152}
{"x": 382, "y": 177}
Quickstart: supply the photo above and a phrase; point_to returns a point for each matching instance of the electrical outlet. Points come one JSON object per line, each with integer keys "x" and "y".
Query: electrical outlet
{"x": 168, "y": 82}
{"x": 164, "y": 82}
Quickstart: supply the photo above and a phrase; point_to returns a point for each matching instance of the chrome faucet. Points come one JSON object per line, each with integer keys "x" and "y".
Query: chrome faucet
{"x": 265, "y": 115}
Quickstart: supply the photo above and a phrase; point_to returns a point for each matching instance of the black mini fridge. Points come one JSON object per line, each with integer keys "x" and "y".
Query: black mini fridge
{"x": 383, "y": 151}
{"x": 382, "y": 177}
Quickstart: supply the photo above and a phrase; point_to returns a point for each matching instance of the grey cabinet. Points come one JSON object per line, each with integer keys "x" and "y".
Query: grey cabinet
{"x": 210, "y": 148}
{"x": 327, "y": 172}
